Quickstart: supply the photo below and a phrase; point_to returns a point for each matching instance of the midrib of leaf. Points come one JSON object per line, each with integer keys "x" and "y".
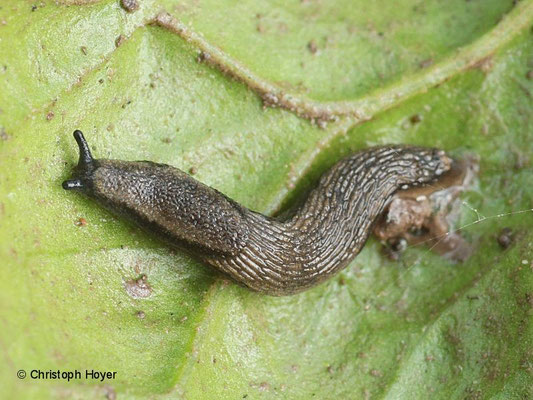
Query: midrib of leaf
{"x": 365, "y": 108}
{"x": 346, "y": 113}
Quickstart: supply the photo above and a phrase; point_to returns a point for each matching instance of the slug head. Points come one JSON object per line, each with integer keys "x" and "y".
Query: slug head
{"x": 84, "y": 169}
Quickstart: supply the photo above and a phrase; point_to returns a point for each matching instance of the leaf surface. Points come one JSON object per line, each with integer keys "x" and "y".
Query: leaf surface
{"x": 258, "y": 99}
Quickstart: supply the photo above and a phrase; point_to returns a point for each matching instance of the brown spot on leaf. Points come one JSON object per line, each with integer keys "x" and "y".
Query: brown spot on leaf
{"x": 119, "y": 40}
{"x": 110, "y": 393}
{"x": 81, "y": 222}
{"x": 203, "y": 56}
{"x": 129, "y": 5}
{"x": 415, "y": 119}
{"x": 3, "y": 134}
{"x": 505, "y": 238}
{"x": 376, "y": 372}
{"x": 312, "y": 47}
{"x": 426, "y": 63}
{"x": 138, "y": 288}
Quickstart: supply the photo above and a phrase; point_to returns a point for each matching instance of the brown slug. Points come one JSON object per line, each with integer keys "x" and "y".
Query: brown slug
{"x": 276, "y": 257}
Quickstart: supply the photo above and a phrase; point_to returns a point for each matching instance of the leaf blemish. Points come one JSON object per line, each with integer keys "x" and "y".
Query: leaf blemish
{"x": 129, "y": 5}
{"x": 138, "y": 288}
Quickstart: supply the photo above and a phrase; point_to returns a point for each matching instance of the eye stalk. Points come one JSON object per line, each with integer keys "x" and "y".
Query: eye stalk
{"x": 86, "y": 158}
{"x": 85, "y": 163}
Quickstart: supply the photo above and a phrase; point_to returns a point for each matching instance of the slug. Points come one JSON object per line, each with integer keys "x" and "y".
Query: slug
{"x": 276, "y": 257}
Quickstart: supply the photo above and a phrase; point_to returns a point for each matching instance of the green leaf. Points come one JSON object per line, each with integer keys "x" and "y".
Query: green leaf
{"x": 258, "y": 99}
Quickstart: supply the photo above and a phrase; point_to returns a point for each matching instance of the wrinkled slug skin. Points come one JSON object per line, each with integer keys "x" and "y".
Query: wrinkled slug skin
{"x": 267, "y": 255}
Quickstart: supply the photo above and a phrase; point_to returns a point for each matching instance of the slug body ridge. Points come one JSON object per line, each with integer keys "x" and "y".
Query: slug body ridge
{"x": 277, "y": 257}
